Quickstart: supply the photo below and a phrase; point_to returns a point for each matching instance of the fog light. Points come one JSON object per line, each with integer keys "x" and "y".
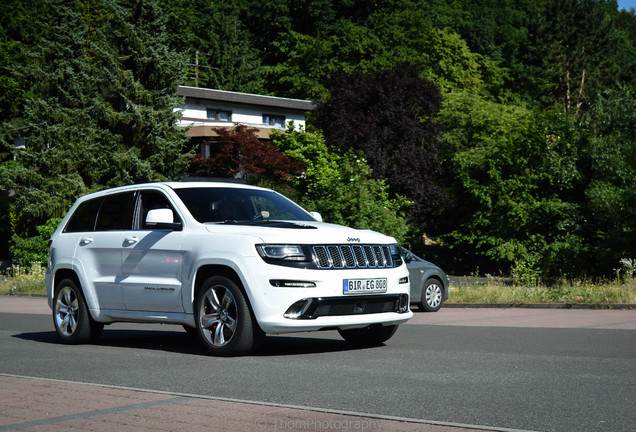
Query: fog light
{"x": 404, "y": 280}
{"x": 298, "y": 309}
{"x": 404, "y": 303}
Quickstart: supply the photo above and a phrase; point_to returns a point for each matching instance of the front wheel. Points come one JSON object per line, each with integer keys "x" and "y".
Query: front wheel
{"x": 432, "y": 296}
{"x": 371, "y": 335}
{"x": 225, "y": 324}
{"x": 73, "y": 323}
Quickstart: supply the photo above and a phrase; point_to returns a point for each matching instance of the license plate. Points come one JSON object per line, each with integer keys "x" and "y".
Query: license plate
{"x": 364, "y": 286}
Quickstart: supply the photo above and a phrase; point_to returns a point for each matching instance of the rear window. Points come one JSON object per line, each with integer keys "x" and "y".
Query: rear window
{"x": 113, "y": 212}
{"x": 84, "y": 217}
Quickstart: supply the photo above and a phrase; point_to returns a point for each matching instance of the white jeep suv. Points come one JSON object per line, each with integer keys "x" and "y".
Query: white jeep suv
{"x": 228, "y": 261}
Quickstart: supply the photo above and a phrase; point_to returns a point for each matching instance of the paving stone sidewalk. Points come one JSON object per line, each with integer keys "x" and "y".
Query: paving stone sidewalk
{"x": 33, "y": 404}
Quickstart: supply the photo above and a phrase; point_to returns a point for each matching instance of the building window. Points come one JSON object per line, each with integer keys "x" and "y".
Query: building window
{"x": 274, "y": 120}
{"x": 205, "y": 150}
{"x": 220, "y": 115}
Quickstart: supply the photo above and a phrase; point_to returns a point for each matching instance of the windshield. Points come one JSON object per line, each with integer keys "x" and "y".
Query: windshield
{"x": 240, "y": 206}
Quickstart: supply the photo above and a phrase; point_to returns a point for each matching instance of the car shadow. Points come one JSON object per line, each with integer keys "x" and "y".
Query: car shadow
{"x": 180, "y": 342}
{"x": 288, "y": 345}
{"x": 169, "y": 341}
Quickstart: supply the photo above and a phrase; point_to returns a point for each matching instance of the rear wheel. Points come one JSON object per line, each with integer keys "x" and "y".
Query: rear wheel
{"x": 371, "y": 335}
{"x": 73, "y": 323}
{"x": 225, "y": 324}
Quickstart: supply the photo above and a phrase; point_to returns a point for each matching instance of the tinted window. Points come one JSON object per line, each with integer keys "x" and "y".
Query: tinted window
{"x": 84, "y": 217}
{"x": 115, "y": 213}
{"x": 239, "y": 205}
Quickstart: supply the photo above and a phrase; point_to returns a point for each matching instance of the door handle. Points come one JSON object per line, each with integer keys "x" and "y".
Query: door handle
{"x": 130, "y": 240}
{"x": 86, "y": 240}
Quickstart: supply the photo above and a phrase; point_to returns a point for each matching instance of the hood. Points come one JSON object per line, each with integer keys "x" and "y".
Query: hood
{"x": 303, "y": 232}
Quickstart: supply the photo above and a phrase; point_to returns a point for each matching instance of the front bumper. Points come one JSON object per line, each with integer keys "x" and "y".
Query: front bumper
{"x": 318, "y": 303}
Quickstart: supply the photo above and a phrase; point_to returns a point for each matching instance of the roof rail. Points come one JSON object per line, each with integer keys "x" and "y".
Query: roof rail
{"x": 195, "y": 178}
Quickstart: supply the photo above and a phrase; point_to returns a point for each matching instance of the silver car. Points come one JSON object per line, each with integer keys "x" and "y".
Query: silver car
{"x": 429, "y": 284}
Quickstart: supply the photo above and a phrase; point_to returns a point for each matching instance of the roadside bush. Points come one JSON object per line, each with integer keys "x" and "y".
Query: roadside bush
{"x": 19, "y": 280}
{"x": 30, "y": 250}
{"x": 627, "y": 269}
{"x": 563, "y": 291}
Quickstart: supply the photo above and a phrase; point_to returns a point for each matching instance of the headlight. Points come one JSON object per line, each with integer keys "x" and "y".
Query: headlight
{"x": 282, "y": 252}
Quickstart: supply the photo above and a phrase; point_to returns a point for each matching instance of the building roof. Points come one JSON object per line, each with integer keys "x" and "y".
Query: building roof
{"x": 245, "y": 98}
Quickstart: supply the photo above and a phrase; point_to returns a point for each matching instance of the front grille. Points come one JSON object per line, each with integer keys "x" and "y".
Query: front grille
{"x": 364, "y": 306}
{"x": 339, "y": 306}
{"x": 353, "y": 256}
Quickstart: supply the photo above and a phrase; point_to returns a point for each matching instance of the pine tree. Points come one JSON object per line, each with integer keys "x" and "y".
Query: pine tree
{"x": 100, "y": 108}
{"x": 217, "y": 44}
{"x": 573, "y": 50}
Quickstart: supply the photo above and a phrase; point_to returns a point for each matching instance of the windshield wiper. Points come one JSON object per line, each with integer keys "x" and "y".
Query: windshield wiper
{"x": 282, "y": 224}
{"x": 270, "y": 222}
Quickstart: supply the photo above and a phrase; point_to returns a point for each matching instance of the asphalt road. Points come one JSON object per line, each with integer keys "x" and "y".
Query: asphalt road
{"x": 459, "y": 370}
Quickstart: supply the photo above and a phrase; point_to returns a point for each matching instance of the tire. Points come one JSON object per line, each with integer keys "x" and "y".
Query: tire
{"x": 225, "y": 324}
{"x": 72, "y": 321}
{"x": 372, "y": 335}
{"x": 432, "y": 296}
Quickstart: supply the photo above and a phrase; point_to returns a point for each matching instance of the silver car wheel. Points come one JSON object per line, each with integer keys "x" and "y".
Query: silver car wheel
{"x": 218, "y": 316}
{"x": 67, "y": 311}
{"x": 433, "y": 295}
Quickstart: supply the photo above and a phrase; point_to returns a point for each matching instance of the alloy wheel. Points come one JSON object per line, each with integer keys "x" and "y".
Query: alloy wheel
{"x": 218, "y": 315}
{"x": 67, "y": 311}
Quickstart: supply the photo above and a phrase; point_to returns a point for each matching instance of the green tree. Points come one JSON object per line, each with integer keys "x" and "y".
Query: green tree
{"x": 340, "y": 186}
{"x": 309, "y": 62}
{"x": 19, "y": 29}
{"x": 514, "y": 175}
{"x": 99, "y": 111}
{"x": 29, "y": 250}
{"x": 219, "y": 48}
{"x": 501, "y": 30}
{"x": 610, "y": 194}
{"x": 574, "y": 51}
{"x": 269, "y": 22}
{"x": 442, "y": 55}
{"x": 625, "y": 57}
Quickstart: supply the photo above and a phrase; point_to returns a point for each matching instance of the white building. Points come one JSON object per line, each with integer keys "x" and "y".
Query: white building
{"x": 207, "y": 109}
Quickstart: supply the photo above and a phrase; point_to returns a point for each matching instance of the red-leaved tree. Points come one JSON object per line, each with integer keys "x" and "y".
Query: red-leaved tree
{"x": 389, "y": 117}
{"x": 239, "y": 152}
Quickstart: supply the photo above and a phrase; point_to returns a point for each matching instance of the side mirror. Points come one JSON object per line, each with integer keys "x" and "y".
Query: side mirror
{"x": 316, "y": 216}
{"x": 408, "y": 257}
{"x": 161, "y": 218}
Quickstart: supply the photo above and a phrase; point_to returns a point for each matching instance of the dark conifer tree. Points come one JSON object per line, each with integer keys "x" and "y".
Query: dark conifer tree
{"x": 100, "y": 92}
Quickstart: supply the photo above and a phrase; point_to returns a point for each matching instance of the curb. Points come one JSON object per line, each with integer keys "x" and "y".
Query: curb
{"x": 608, "y": 306}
